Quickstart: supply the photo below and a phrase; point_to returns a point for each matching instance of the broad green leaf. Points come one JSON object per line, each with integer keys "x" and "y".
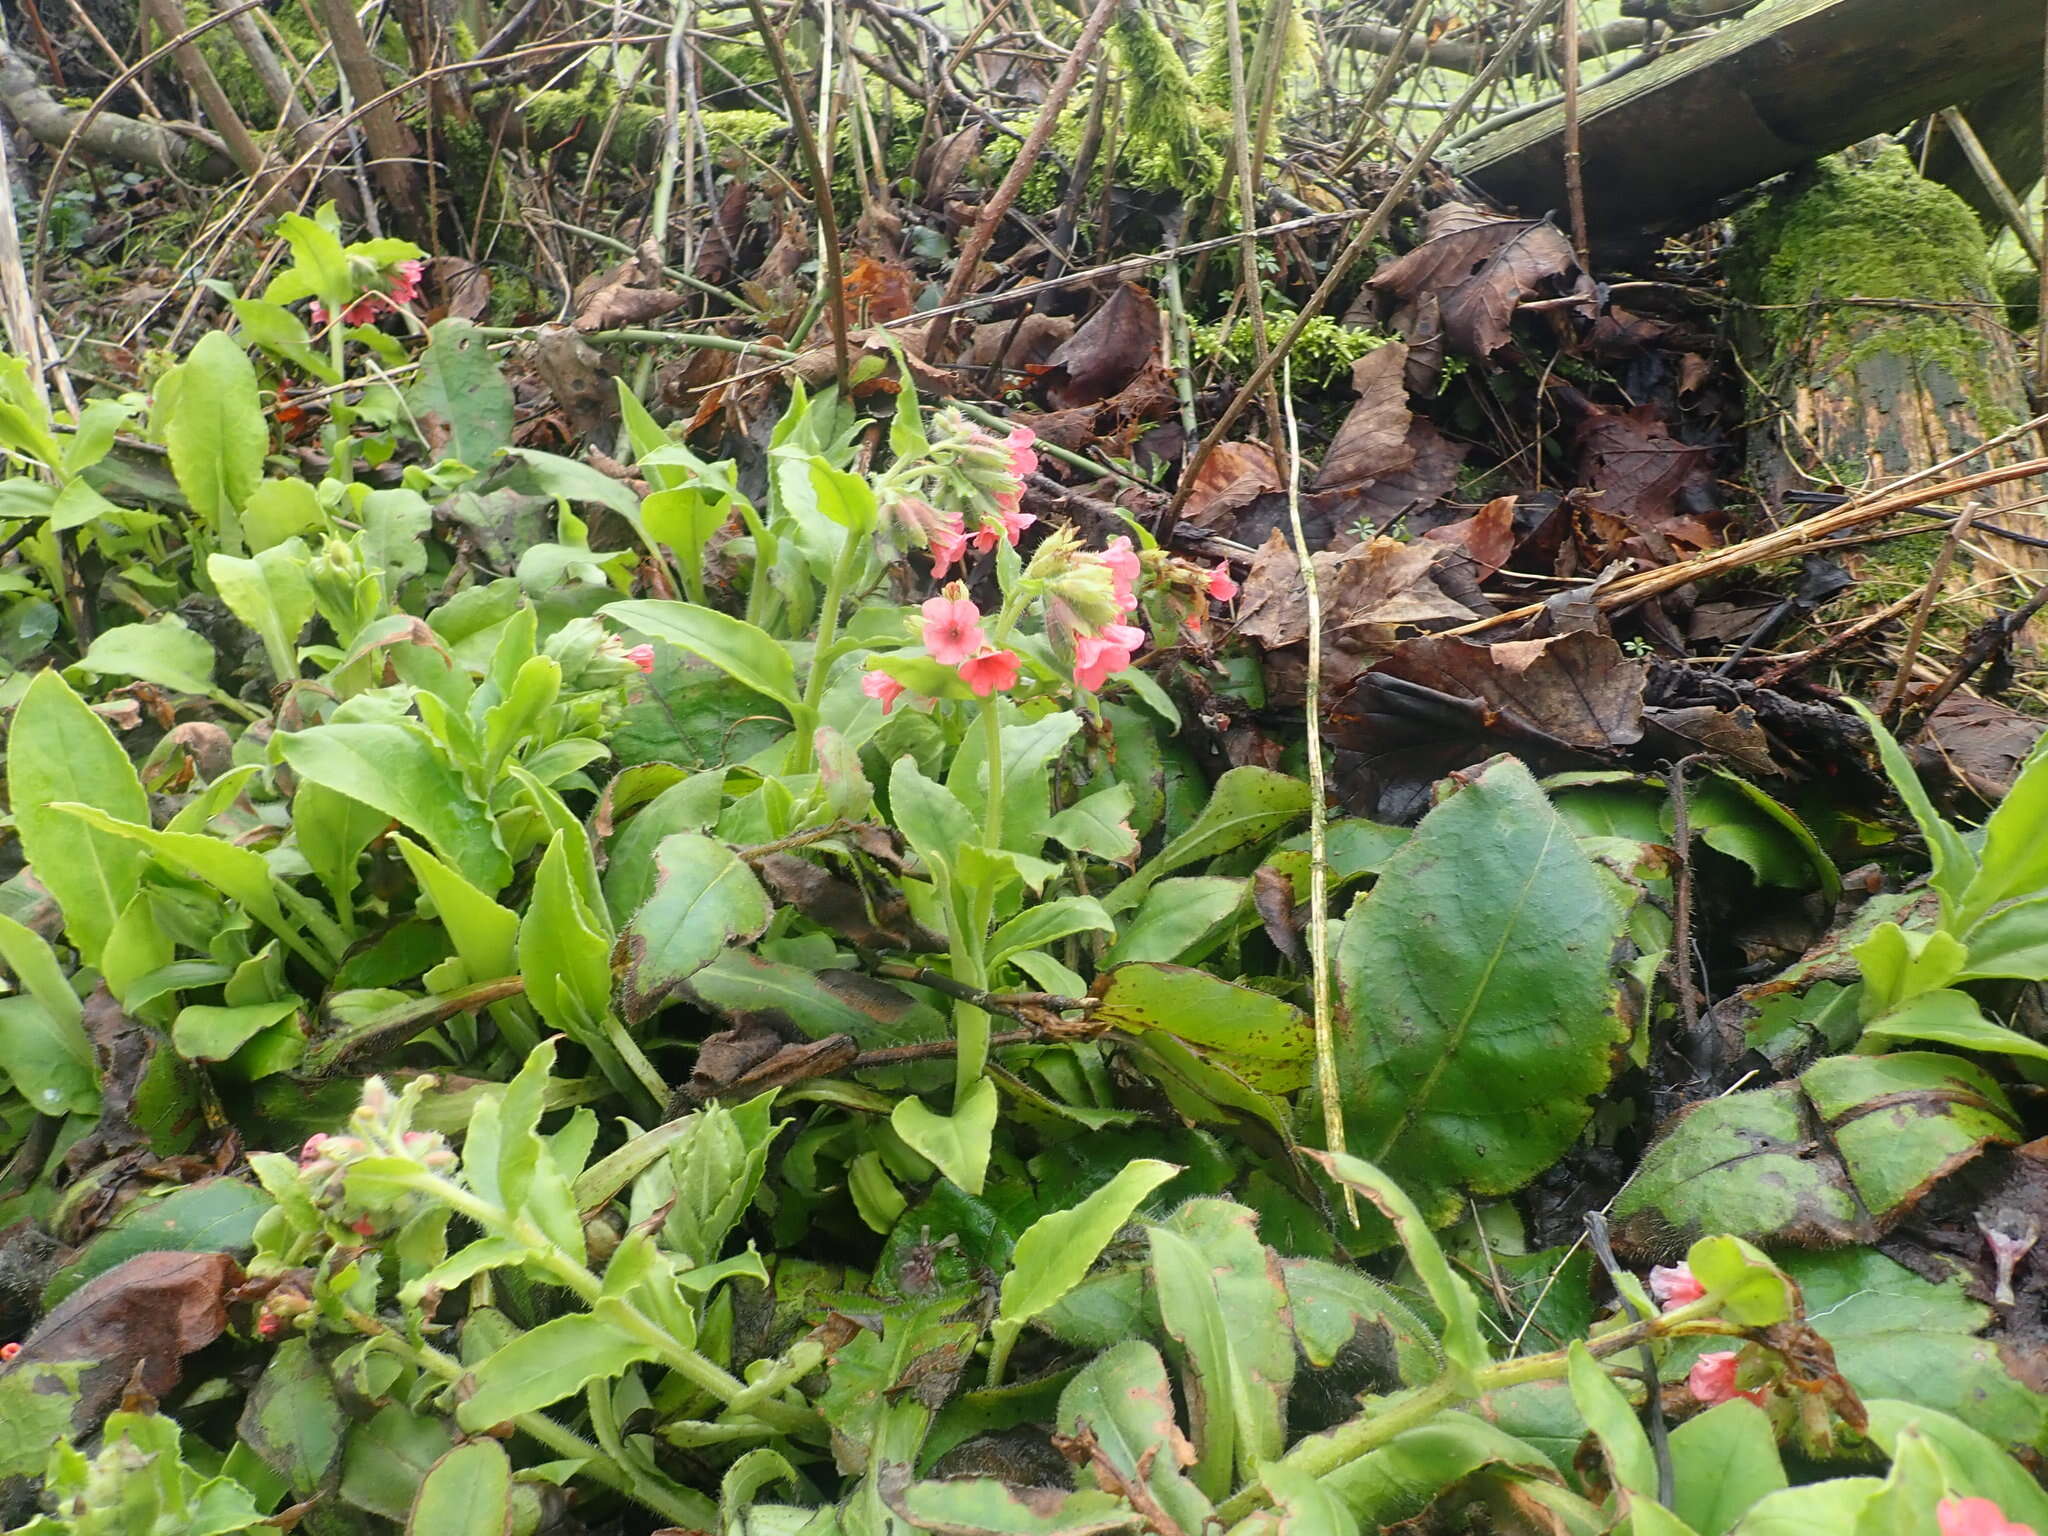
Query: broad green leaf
{"x": 215, "y": 1215}
{"x": 1950, "y": 1017}
{"x": 1733, "y": 816}
{"x": 1098, "y": 824}
{"x": 468, "y": 1492}
{"x": 387, "y": 1458}
{"x": 319, "y": 266}
{"x": 1221, "y": 1298}
{"x": 460, "y": 383}
{"x": 1478, "y": 1003}
{"x": 1335, "y": 1307}
{"x": 1954, "y": 867}
{"x": 1123, "y": 1399}
{"x": 210, "y": 418}
{"x": 1904, "y": 1121}
{"x": 574, "y": 480}
{"x": 1607, "y": 1413}
{"x": 1836, "y": 1505}
{"x": 40, "y": 1056}
{"x": 957, "y": 1144}
{"x": 166, "y": 653}
{"x": 1175, "y": 919}
{"x": 1722, "y": 1462}
{"x": 278, "y": 510}
{"x": 713, "y": 1173}
{"x": 485, "y": 934}
{"x": 1047, "y": 922}
{"x": 58, "y": 750}
{"x": 1464, "y": 1350}
{"x": 1898, "y": 965}
{"x": 271, "y": 594}
{"x": 2013, "y": 861}
{"x": 293, "y": 1420}
{"x": 563, "y": 954}
{"x": 394, "y": 768}
{"x": 1248, "y": 805}
{"x": 545, "y": 1365}
{"x": 846, "y": 498}
{"x": 1056, "y": 1251}
{"x": 705, "y": 898}
{"x": 1749, "y": 1163}
{"x": 988, "y": 1506}
{"x": 690, "y": 805}
{"x": 28, "y": 956}
{"x": 745, "y": 653}
{"x": 1265, "y": 1040}
{"x": 203, "y": 1032}
{"x": 2012, "y": 942}
{"x": 331, "y": 831}
{"x": 1896, "y": 1335}
{"x": 1751, "y": 1289}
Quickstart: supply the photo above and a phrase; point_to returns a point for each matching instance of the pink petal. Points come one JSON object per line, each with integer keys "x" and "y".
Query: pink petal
{"x": 1675, "y": 1287}
{"x": 642, "y": 656}
{"x": 880, "y": 685}
{"x": 1976, "y": 1517}
{"x": 1222, "y": 586}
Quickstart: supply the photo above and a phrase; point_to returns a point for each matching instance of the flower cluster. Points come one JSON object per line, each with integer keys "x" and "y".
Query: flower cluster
{"x": 1091, "y": 601}
{"x": 1712, "y": 1379}
{"x": 383, "y": 291}
{"x": 966, "y": 491}
{"x": 381, "y": 1130}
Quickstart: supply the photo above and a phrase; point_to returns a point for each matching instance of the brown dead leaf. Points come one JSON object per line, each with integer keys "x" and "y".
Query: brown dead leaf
{"x": 1981, "y": 742}
{"x": 1381, "y": 583}
{"x": 1018, "y": 344}
{"x": 575, "y": 375}
{"x": 138, "y": 1320}
{"x": 830, "y": 902}
{"x": 1228, "y": 480}
{"x": 1459, "y": 289}
{"x": 1373, "y": 440}
{"x": 463, "y": 287}
{"x": 1647, "y": 479}
{"x": 1486, "y": 538}
{"x": 880, "y": 291}
{"x": 1426, "y": 480}
{"x": 938, "y": 168}
{"x": 751, "y": 1058}
{"x": 605, "y": 301}
{"x": 1109, "y": 350}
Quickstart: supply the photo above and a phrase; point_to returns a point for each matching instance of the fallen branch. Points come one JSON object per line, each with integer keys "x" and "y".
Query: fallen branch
{"x": 107, "y": 136}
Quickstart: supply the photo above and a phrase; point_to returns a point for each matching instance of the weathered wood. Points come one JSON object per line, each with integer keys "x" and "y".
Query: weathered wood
{"x": 1666, "y": 144}
{"x": 1869, "y": 326}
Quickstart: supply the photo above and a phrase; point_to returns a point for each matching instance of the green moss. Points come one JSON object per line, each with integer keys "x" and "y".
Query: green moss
{"x": 1173, "y": 138}
{"x": 1322, "y": 354}
{"x": 1212, "y": 79}
{"x": 1875, "y": 231}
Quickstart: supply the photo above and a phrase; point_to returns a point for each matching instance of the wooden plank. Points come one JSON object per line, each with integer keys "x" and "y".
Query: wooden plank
{"x": 1666, "y": 145}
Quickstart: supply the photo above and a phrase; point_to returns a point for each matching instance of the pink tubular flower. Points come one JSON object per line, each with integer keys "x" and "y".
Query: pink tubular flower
{"x": 1097, "y": 656}
{"x": 1023, "y": 458}
{"x": 880, "y": 685}
{"x": 1976, "y": 1517}
{"x": 1122, "y": 561}
{"x": 642, "y": 656}
{"x": 990, "y": 671}
{"x": 952, "y": 629}
{"x": 405, "y": 287}
{"x": 8, "y": 1352}
{"x": 948, "y": 546}
{"x": 1010, "y": 529}
{"x": 1222, "y": 586}
{"x": 1675, "y": 1287}
{"x": 1712, "y": 1379}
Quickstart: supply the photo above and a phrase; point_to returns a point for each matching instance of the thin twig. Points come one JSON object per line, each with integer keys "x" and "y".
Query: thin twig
{"x": 1930, "y": 593}
{"x": 1574, "y": 168}
{"x": 1660, "y": 1439}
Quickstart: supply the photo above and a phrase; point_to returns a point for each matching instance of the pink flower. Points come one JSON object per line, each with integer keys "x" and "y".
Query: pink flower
{"x": 1010, "y": 528}
{"x": 310, "y": 1152}
{"x": 948, "y": 546}
{"x": 642, "y": 656}
{"x": 405, "y": 281}
{"x": 1122, "y": 561}
{"x": 1976, "y": 1517}
{"x": 880, "y": 685}
{"x": 952, "y": 629}
{"x": 990, "y": 671}
{"x": 1097, "y": 656}
{"x": 1221, "y": 586}
{"x": 1023, "y": 458}
{"x": 1712, "y": 1379}
{"x": 8, "y": 1352}
{"x": 405, "y": 287}
{"x": 1675, "y": 1287}
{"x": 363, "y": 1226}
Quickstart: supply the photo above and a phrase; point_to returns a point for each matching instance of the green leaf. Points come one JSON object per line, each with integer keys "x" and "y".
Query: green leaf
{"x": 1098, "y": 824}
{"x": 1264, "y": 1039}
{"x": 957, "y": 1144}
{"x": 40, "y": 1056}
{"x": 1836, "y": 1505}
{"x": 1248, "y": 805}
{"x": 705, "y": 898}
{"x": 319, "y": 266}
{"x": 1903, "y": 1122}
{"x": 1896, "y": 1335}
{"x": 2013, "y": 861}
{"x": 215, "y": 1215}
{"x": 1722, "y": 1462}
{"x": 1176, "y": 918}
{"x": 278, "y": 510}
{"x": 2011, "y": 942}
{"x": 1949, "y": 1017}
{"x": 563, "y": 953}
{"x": 1396, "y": 1482}
{"x": 1464, "y": 1350}
{"x": 1123, "y": 1399}
{"x": 460, "y": 383}
{"x": 545, "y": 1365}
{"x": 713, "y": 1173}
{"x": 1954, "y": 867}
{"x": 58, "y": 750}
{"x": 846, "y": 498}
{"x": 468, "y": 1492}
{"x": 1734, "y": 817}
{"x": 202, "y": 1032}
{"x": 1046, "y": 923}
{"x": 1478, "y": 1005}
{"x": 293, "y": 1421}
{"x": 393, "y": 768}
{"x": 485, "y": 934}
{"x": 988, "y": 1506}
{"x": 272, "y": 595}
{"x": 34, "y": 964}
{"x": 1056, "y": 1251}
{"x": 1751, "y": 1289}
{"x": 1613, "y": 1422}
{"x": 1221, "y": 1297}
{"x": 1974, "y": 1464}
{"x": 386, "y": 1459}
{"x": 165, "y": 652}
{"x": 210, "y": 418}
{"x": 743, "y": 652}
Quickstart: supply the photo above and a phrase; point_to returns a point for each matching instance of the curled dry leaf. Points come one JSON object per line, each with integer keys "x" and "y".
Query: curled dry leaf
{"x": 1373, "y": 439}
{"x": 1381, "y": 583}
{"x": 1109, "y": 350}
{"x": 1230, "y": 479}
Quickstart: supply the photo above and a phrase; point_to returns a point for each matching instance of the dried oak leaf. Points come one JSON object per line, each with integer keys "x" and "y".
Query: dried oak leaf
{"x": 880, "y": 291}
{"x": 1459, "y": 289}
{"x": 1018, "y": 343}
{"x": 1486, "y": 538}
{"x": 1981, "y": 742}
{"x": 139, "y": 1319}
{"x": 575, "y": 375}
{"x": 1110, "y": 349}
{"x": 463, "y": 286}
{"x": 1229, "y": 479}
{"x": 1422, "y": 482}
{"x": 1648, "y": 479}
{"x": 608, "y": 300}
{"x": 1373, "y": 439}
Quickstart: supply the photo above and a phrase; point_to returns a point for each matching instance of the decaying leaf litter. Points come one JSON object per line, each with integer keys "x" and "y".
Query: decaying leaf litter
{"x": 1619, "y": 905}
